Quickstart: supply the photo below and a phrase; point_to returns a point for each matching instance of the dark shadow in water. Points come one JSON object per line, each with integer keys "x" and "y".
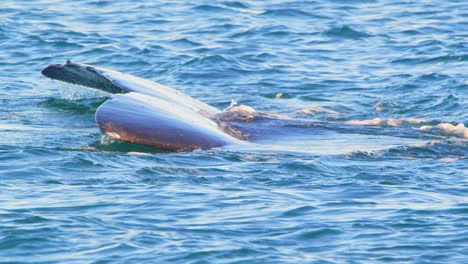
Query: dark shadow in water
{"x": 124, "y": 147}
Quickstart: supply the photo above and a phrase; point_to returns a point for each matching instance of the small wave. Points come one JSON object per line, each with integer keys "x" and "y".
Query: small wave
{"x": 313, "y": 98}
{"x": 112, "y": 145}
{"x": 211, "y": 60}
{"x": 57, "y": 42}
{"x": 77, "y": 106}
{"x": 431, "y": 42}
{"x": 424, "y": 60}
{"x": 211, "y": 8}
{"x": 312, "y": 110}
{"x": 319, "y": 234}
{"x": 290, "y": 13}
{"x": 185, "y": 43}
{"x": 264, "y": 31}
{"x": 21, "y": 127}
{"x": 430, "y": 77}
{"x": 235, "y": 4}
{"x": 447, "y": 58}
{"x": 95, "y": 51}
{"x": 246, "y": 33}
{"x": 100, "y": 3}
{"x": 278, "y": 34}
{"x": 382, "y": 106}
{"x": 298, "y": 212}
{"x": 411, "y": 32}
{"x": 223, "y": 66}
{"x": 63, "y": 31}
{"x": 445, "y": 151}
{"x": 346, "y": 32}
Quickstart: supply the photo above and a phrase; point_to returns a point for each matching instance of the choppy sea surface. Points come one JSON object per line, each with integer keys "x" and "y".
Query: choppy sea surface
{"x": 386, "y": 182}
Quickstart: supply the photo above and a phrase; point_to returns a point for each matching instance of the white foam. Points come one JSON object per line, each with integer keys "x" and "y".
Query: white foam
{"x": 386, "y": 122}
{"x": 449, "y": 159}
{"x": 312, "y": 110}
{"x": 75, "y": 92}
{"x": 139, "y": 153}
{"x": 459, "y": 130}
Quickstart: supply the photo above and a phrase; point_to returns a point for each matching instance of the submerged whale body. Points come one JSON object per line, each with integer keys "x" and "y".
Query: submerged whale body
{"x": 147, "y": 113}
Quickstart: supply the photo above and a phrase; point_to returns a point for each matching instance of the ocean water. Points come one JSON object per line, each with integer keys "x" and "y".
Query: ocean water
{"x": 382, "y": 177}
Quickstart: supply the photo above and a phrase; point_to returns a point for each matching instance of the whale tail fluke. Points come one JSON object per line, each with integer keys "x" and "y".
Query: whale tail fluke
{"x": 81, "y": 74}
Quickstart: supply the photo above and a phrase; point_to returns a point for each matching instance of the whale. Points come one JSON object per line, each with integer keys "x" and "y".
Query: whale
{"x": 147, "y": 113}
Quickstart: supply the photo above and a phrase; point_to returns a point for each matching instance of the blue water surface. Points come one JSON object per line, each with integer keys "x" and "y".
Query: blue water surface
{"x": 391, "y": 190}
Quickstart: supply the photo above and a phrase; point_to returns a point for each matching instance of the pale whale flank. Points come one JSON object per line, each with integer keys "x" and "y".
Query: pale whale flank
{"x": 150, "y": 121}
